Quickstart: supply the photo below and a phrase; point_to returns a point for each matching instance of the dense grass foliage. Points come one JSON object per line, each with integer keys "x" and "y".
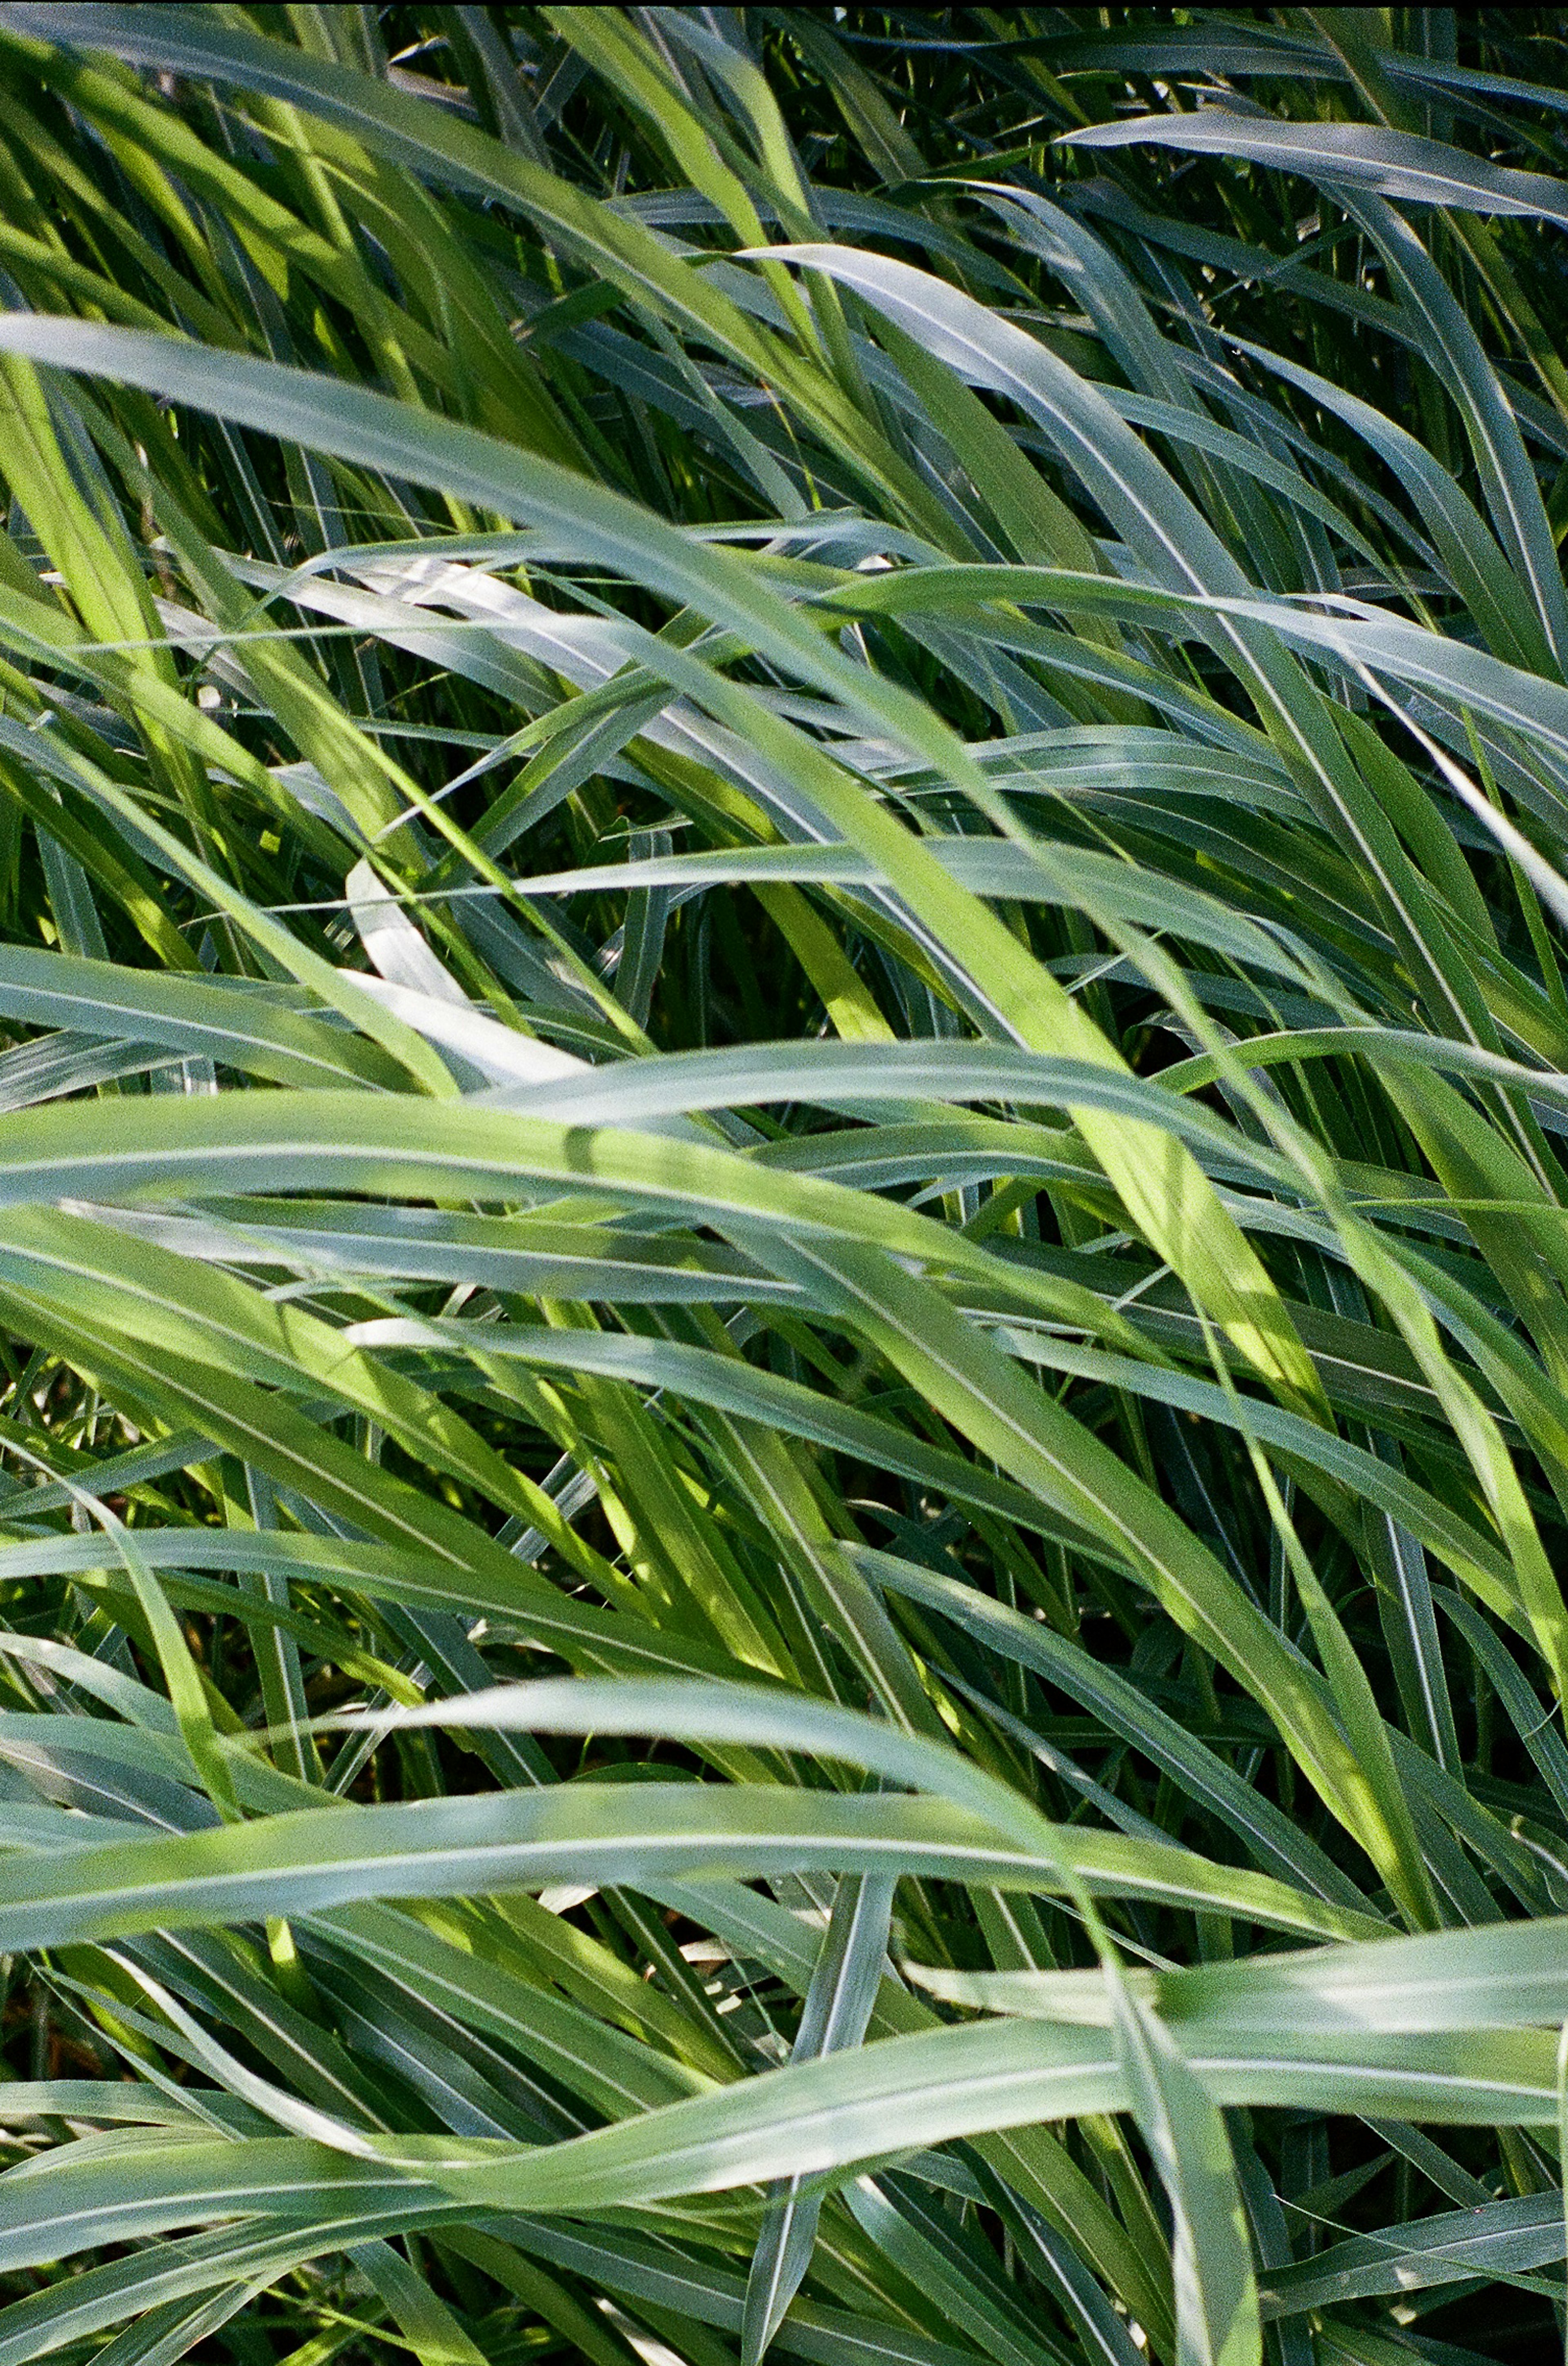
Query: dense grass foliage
{"x": 783, "y": 1215}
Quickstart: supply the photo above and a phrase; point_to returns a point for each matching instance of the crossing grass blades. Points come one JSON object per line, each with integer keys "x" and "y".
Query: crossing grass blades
{"x": 783, "y": 1210}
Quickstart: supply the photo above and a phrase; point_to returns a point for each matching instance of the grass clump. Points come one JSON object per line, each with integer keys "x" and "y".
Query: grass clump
{"x": 783, "y": 1276}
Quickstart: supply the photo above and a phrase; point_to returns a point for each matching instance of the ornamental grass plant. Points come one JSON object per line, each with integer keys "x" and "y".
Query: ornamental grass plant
{"x": 783, "y": 1204}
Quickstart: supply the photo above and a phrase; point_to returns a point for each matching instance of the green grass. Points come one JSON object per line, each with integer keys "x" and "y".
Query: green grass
{"x": 783, "y": 1226}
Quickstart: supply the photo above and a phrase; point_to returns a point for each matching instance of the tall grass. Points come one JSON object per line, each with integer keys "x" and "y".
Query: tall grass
{"x": 783, "y": 1267}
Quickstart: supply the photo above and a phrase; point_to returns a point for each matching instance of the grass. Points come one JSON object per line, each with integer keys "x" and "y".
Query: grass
{"x": 783, "y": 1278}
